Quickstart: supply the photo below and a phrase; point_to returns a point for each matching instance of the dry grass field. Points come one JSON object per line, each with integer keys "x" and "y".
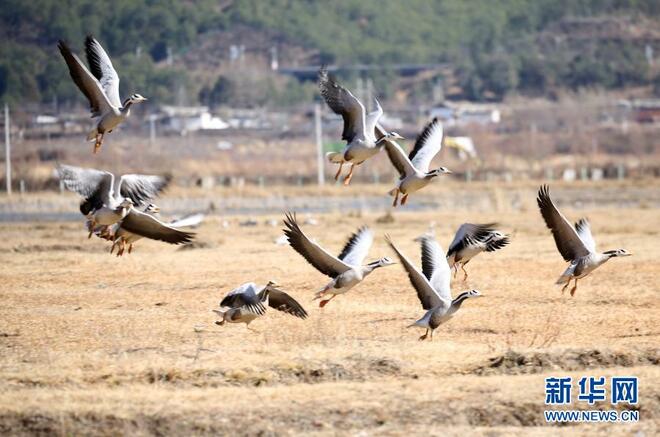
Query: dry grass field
{"x": 97, "y": 345}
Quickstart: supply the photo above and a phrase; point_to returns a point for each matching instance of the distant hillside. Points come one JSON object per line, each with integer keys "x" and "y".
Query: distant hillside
{"x": 495, "y": 47}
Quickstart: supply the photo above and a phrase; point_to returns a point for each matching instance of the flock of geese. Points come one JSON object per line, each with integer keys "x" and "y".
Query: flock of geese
{"x": 121, "y": 211}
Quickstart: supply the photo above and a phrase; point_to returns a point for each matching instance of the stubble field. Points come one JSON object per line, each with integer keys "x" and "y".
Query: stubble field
{"x": 97, "y": 345}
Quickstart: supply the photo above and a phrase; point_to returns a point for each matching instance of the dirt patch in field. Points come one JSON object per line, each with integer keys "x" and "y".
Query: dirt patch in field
{"x": 515, "y": 363}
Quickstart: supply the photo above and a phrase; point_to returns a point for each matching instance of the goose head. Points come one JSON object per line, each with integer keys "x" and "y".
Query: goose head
{"x": 152, "y": 209}
{"x": 617, "y": 252}
{"x": 383, "y": 262}
{"x": 474, "y": 293}
{"x": 438, "y": 172}
{"x": 137, "y": 98}
{"x": 127, "y": 203}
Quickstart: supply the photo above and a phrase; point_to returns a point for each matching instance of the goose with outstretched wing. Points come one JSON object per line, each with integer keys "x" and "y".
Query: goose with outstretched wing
{"x": 472, "y": 239}
{"x": 347, "y": 270}
{"x": 249, "y": 301}
{"x": 414, "y": 173}
{"x": 359, "y": 127}
{"x": 107, "y": 199}
{"x": 100, "y": 86}
{"x": 575, "y": 243}
{"x": 432, "y": 285}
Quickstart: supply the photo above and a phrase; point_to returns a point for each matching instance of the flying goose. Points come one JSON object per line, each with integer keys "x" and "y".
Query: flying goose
{"x": 472, "y": 239}
{"x": 346, "y": 270}
{"x": 359, "y": 134}
{"x": 414, "y": 173}
{"x": 247, "y": 302}
{"x": 145, "y": 224}
{"x": 433, "y": 286}
{"x": 575, "y": 244}
{"x": 108, "y": 200}
{"x": 100, "y": 86}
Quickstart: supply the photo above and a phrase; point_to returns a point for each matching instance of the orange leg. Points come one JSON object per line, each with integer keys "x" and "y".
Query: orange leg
{"x": 325, "y": 302}
{"x": 97, "y": 144}
{"x": 423, "y": 337}
{"x": 404, "y": 199}
{"x": 396, "y": 197}
{"x": 341, "y": 165}
{"x": 348, "y": 178}
{"x": 574, "y": 288}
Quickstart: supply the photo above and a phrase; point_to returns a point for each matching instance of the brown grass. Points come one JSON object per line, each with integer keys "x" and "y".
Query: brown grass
{"x": 93, "y": 344}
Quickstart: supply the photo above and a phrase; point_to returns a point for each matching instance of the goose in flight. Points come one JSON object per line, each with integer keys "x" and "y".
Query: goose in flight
{"x": 100, "y": 86}
{"x": 359, "y": 127}
{"x": 472, "y": 239}
{"x": 140, "y": 224}
{"x": 249, "y": 301}
{"x": 432, "y": 286}
{"x": 145, "y": 224}
{"x": 575, "y": 243}
{"x": 414, "y": 173}
{"x": 346, "y": 270}
{"x": 106, "y": 199}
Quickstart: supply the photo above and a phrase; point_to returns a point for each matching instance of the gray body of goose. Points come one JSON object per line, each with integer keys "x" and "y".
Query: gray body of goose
{"x": 472, "y": 239}
{"x": 359, "y": 127}
{"x": 100, "y": 86}
{"x": 575, "y": 244}
{"x": 433, "y": 286}
{"x": 108, "y": 200}
{"x": 346, "y": 270}
{"x": 249, "y": 301}
{"x": 414, "y": 173}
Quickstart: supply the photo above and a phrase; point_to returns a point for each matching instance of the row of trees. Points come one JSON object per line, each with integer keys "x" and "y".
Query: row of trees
{"x": 494, "y": 46}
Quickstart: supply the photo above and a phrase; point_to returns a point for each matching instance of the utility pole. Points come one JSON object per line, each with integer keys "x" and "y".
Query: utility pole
{"x": 319, "y": 144}
{"x": 7, "y": 152}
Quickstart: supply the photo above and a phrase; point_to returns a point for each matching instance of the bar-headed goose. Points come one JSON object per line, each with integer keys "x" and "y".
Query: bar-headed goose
{"x": 247, "y": 302}
{"x": 108, "y": 200}
{"x": 414, "y": 173}
{"x": 472, "y": 239}
{"x": 575, "y": 244}
{"x": 100, "y": 86}
{"x": 145, "y": 224}
{"x": 432, "y": 286}
{"x": 359, "y": 134}
{"x": 346, "y": 270}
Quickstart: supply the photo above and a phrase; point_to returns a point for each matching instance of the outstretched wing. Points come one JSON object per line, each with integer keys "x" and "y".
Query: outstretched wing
{"x": 101, "y": 66}
{"x": 148, "y": 226}
{"x": 427, "y": 145}
{"x": 318, "y": 257}
{"x": 468, "y": 234}
{"x": 344, "y": 103}
{"x": 567, "y": 240}
{"x": 399, "y": 159}
{"x": 245, "y": 297}
{"x": 99, "y": 103}
{"x": 141, "y": 189}
{"x": 425, "y": 292}
{"x": 94, "y": 185}
{"x": 357, "y": 247}
{"x": 281, "y": 301}
{"x": 583, "y": 229}
{"x": 435, "y": 267}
